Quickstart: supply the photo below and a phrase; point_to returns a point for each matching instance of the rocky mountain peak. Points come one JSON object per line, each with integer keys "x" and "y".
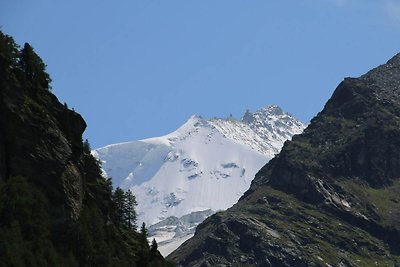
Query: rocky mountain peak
{"x": 384, "y": 81}
{"x": 350, "y": 136}
{"x": 205, "y": 164}
{"x": 272, "y": 110}
{"x": 329, "y": 198}
{"x": 395, "y": 59}
{"x": 389, "y": 70}
{"x": 266, "y": 112}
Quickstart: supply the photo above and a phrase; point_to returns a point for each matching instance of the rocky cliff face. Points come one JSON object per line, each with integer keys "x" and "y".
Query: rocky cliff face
{"x": 331, "y": 197}
{"x": 41, "y": 139}
{"x": 56, "y": 208}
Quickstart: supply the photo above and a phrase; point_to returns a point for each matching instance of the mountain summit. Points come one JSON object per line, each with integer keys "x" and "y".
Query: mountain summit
{"x": 330, "y": 198}
{"x": 203, "y": 156}
{"x": 204, "y": 165}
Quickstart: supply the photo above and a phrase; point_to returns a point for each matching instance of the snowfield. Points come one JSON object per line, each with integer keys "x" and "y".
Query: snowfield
{"x": 204, "y": 165}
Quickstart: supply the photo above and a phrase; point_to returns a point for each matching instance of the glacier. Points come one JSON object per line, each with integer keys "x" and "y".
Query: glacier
{"x": 205, "y": 165}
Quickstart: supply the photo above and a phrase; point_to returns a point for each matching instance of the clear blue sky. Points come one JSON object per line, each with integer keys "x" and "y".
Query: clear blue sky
{"x": 137, "y": 69}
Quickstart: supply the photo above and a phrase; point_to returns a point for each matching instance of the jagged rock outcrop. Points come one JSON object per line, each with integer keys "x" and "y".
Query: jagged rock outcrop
{"x": 330, "y": 198}
{"x": 42, "y": 139}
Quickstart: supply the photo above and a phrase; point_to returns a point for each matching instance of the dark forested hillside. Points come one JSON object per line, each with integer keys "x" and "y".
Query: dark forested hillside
{"x": 330, "y": 198}
{"x": 56, "y": 209}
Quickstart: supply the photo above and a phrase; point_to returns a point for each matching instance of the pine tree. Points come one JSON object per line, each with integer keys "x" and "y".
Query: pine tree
{"x": 34, "y": 68}
{"x": 8, "y": 60}
{"x": 119, "y": 209}
{"x": 86, "y": 147}
{"x": 130, "y": 212}
{"x": 144, "y": 247}
{"x": 153, "y": 247}
{"x": 143, "y": 233}
{"x": 8, "y": 52}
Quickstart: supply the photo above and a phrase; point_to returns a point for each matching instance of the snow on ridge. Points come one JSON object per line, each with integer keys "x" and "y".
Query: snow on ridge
{"x": 204, "y": 171}
{"x": 179, "y": 172}
{"x": 188, "y": 128}
{"x": 203, "y": 165}
{"x": 264, "y": 130}
{"x": 135, "y": 161}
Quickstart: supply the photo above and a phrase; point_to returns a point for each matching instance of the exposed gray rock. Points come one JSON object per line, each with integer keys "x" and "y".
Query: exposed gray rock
{"x": 329, "y": 198}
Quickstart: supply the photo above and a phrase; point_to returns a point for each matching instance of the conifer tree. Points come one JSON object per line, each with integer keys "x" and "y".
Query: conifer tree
{"x": 119, "y": 202}
{"x": 130, "y": 212}
{"x": 33, "y": 67}
{"x": 153, "y": 247}
{"x": 144, "y": 246}
{"x": 86, "y": 147}
{"x": 143, "y": 233}
{"x": 8, "y": 52}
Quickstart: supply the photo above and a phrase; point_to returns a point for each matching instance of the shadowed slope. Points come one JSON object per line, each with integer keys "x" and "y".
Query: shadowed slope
{"x": 330, "y": 197}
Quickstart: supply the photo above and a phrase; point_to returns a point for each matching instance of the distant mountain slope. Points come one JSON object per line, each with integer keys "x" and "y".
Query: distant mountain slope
{"x": 204, "y": 165}
{"x": 171, "y": 232}
{"x": 330, "y": 198}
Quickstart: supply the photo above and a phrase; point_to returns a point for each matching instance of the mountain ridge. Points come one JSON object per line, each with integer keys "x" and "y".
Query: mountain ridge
{"x": 203, "y": 165}
{"x": 330, "y": 197}
{"x": 136, "y": 163}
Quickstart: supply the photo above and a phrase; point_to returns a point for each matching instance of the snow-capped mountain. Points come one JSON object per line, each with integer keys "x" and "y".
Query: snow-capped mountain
{"x": 204, "y": 165}
{"x": 171, "y": 232}
{"x": 264, "y": 130}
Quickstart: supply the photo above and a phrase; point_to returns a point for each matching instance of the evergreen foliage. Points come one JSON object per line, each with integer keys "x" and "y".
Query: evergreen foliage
{"x": 86, "y": 145}
{"x": 153, "y": 247}
{"x": 24, "y": 226}
{"x": 8, "y": 53}
{"x": 33, "y": 68}
{"x": 143, "y": 233}
{"x": 119, "y": 206}
{"x": 130, "y": 212}
{"x": 124, "y": 208}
